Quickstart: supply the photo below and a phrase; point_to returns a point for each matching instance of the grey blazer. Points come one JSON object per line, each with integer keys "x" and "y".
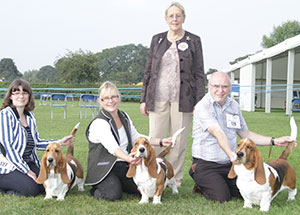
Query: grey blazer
{"x": 192, "y": 78}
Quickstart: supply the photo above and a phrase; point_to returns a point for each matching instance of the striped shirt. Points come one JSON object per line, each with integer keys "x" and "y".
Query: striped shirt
{"x": 13, "y": 137}
{"x": 208, "y": 112}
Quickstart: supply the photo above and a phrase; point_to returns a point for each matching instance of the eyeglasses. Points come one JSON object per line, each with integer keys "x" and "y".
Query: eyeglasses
{"x": 107, "y": 99}
{"x": 223, "y": 87}
{"x": 18, "y": 93}
{"x": 174, "y": 16}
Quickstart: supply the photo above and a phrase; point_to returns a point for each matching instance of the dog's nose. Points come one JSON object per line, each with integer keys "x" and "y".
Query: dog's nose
{"x": 50, "y": 160}
{"x": 240, "y": 154}
{"x": 142, "y": 149}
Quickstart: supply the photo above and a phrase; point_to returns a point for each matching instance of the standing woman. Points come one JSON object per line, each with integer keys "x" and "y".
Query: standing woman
{"x": 19, "y": 140}
{"x": 173, "y": 83}
{"x": 111, "y": 135}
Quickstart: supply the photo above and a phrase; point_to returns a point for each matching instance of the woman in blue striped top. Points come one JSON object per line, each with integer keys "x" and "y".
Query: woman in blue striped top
{"x": 19, "y": 140}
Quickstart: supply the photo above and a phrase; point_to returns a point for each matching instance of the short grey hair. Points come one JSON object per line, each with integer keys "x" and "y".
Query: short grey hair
{"x": 177, "y": 5}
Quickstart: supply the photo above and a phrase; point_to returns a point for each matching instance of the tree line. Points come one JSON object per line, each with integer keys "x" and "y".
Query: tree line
{"x": 123, "y": 64}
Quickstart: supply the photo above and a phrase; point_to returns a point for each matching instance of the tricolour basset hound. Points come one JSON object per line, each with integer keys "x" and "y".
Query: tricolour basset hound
{"x": 260, "y": 182}
{"x": 60, "y": 173}
{"x": 153, "y": 174}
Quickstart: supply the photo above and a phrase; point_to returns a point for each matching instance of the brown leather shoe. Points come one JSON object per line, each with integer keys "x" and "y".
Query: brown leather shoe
{"x": 196, "y": 189}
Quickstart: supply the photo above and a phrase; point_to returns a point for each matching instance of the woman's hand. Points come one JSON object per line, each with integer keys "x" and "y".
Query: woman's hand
{"x": 143, "y": 109}
{"x": 31, "y": 175}
{"x": 132, "y": 159}
{"x": 67, "y": 140}
{"x": 167, "y": 141}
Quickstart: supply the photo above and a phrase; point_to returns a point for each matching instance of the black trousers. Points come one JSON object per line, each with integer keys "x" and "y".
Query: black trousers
{"x": 21, "y": 184}
{"x": 213, "y": 182}
{"x": 115, "y": 183}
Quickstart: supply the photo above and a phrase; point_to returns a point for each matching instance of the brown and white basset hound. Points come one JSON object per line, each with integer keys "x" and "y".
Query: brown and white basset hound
{"x": 153, "y": 174}
{"x": 260, "y": 182}
{"x": 60, "y": 173}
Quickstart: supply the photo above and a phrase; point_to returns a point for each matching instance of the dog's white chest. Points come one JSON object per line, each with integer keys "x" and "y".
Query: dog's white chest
{"x": 248, "y": 187}
{"x": 144, "y": 181}
{"x": 54, "y": 184}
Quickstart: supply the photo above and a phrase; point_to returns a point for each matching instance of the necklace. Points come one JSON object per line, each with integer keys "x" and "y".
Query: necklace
{"x": 175, "y": 37}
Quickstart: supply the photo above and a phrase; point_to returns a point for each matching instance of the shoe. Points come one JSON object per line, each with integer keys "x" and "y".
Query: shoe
{"x": 12, "y": 192}
{"x": 196, "y": 189}
{"x": 92, "y": 191}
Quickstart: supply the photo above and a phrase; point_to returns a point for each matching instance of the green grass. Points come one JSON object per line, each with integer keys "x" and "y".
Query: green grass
{"x": 274, "y": 124}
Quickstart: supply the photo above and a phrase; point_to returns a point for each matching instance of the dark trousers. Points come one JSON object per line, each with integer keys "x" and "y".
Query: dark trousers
{"x": 212, "y": 180}
{"x": 115, "y": 183}
{"x": 21, "y": 184}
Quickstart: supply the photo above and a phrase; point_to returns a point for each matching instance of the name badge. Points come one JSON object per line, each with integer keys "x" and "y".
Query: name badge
{"x": 4, "y": 163}
{"x": 233, "y": 121}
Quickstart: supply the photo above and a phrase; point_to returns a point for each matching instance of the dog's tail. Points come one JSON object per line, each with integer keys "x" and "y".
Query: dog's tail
{"x": 293, "y": 136}
{"x": 165, "y": 152}
{"x": 288, "y": 149}
{"x": 73, "y": 133}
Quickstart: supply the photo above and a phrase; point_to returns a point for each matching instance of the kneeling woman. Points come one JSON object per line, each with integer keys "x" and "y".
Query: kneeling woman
{"x": 111, "y": 135}
{"x": 19, "y": 140}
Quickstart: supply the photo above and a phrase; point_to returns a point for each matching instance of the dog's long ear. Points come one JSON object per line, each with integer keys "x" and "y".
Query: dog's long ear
{"x": 259, "y": 173}
{"x": 62, "y": 168}
{"x": 151, "y": 164}
{"x": 43, "y": 175}
{"x": 131, "y": 171}
{"x": 231, "y": 173}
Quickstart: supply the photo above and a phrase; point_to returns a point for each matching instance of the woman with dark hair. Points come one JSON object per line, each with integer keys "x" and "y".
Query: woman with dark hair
{"x": 19, "y": 140}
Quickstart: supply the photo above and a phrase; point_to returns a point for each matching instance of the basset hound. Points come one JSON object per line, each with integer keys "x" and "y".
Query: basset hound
{"x": 60, "y": 173}
{"x": 260, "y": 182}
{"x": 153, "y": 174}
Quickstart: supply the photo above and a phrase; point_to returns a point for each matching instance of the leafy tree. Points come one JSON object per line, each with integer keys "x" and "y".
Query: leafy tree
{"x": 46, "y": 74}
{"x": 280, "y": 33}
{"x": 78, "y": 67}
{"x": 8, "y": 70}
{"x": 30, "y": 75}
{"x": 123, "y": 64}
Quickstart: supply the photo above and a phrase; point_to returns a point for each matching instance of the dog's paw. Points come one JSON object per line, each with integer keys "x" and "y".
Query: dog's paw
{"x": 156, "y": 200}
{"x": 291, "y": 198}
{"x": 60, "y": 198}
{"x": 264, "y": 209}
{"x": 48, "y": 197}
{"x": 144, "y": 200}
{"x": 247, "y": 205}
{"x": 80, "y": 188}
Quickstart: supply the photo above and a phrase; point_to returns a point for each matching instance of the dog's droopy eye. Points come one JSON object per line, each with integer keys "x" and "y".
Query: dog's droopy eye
{"x": 249, "y": 147}
{"x": 56, "y": 150}
{"x": 47, "y": 150}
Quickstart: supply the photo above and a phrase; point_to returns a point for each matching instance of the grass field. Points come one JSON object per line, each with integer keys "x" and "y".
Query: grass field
{"x": 81, "y": 203}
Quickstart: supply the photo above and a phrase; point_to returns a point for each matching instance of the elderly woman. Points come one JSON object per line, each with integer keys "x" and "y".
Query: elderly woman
{"x": 173, "y": 83}
{"x": 111, "y": 135}
{"x": 19, "y": 140}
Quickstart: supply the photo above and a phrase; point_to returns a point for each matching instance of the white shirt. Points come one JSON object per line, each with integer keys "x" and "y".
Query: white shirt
{"x": 100, "y": 132}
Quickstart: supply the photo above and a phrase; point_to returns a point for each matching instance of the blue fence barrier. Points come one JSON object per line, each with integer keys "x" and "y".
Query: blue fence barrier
{"x": 127, "y": 93}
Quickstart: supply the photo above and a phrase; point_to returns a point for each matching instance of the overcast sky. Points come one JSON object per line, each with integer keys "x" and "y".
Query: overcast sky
{"x": 35, "y": 33}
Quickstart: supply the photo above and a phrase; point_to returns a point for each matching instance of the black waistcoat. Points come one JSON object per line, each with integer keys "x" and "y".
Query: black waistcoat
{"x": 100, "y": 161}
